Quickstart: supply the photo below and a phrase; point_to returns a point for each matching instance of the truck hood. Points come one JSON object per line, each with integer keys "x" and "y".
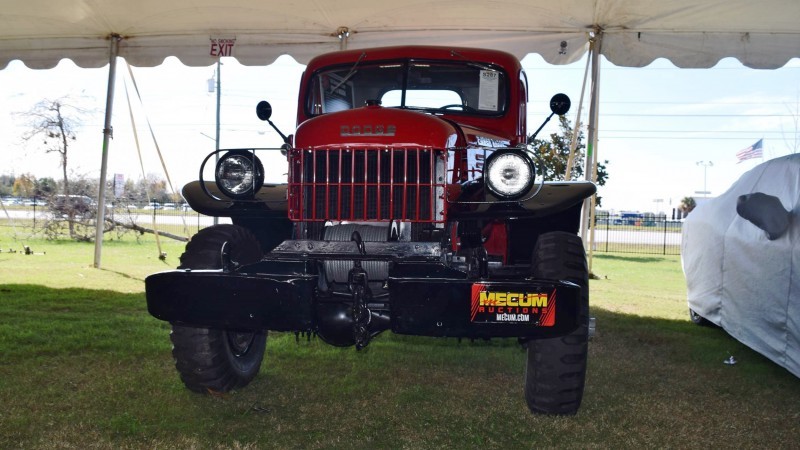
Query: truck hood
{"x": 374, "y": 125}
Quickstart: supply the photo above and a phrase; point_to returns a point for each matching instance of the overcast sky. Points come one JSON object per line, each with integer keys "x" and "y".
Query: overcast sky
{"x": 656, "y": 122}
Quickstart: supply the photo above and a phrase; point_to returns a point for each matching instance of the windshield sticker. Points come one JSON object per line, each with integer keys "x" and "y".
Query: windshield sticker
{"x": 487, "y": 97}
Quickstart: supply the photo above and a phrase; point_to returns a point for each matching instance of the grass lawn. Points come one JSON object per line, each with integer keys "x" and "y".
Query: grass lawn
{"x": 82, "y": 365}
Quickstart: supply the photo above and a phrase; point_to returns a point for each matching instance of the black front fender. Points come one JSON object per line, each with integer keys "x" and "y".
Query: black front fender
{"x": 269, "y": 202}
{"x": 553, "y": 197}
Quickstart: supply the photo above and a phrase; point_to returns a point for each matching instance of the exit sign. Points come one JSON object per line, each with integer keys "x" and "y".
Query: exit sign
{"x": 222, "y": 46}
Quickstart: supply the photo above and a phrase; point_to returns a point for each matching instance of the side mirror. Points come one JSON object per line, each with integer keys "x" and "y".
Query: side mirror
{"x": 559, "y": 104}
{"x": 264, "y": 110}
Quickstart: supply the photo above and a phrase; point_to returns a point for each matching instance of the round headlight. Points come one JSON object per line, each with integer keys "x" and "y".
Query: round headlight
{"x": 509, "y": 173}
{"x": 239, "y": 174}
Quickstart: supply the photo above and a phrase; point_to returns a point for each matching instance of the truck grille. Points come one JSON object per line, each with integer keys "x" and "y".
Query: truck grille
{"x": 367, "y": 184}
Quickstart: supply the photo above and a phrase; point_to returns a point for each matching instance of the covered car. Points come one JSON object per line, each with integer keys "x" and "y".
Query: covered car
{"x": 741, "y": 257}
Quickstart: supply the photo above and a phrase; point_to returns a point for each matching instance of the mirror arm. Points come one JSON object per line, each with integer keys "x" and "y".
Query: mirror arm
{"x": 283, "y": 136}
{"x": 542, "y": 126}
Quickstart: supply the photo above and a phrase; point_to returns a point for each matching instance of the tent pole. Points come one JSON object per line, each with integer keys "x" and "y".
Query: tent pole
{"x": 107, "y": 134}
{"x": 591, "y": 147}
{"x": 343, "y": 33}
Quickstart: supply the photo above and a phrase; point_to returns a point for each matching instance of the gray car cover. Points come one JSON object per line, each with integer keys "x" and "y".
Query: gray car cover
{"x": 743, "y": 268}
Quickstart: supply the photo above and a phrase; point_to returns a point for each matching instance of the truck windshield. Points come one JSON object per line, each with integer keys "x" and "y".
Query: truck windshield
{"x": 432, "y": 86}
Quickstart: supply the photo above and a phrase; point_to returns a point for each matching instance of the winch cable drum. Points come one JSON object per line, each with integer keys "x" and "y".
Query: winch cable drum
{"x": 337, "y": 271}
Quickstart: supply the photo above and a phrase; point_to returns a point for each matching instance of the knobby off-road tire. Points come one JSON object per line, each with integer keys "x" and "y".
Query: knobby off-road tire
{"x": 215, "y": 360}
{"x": 556, "y": 368}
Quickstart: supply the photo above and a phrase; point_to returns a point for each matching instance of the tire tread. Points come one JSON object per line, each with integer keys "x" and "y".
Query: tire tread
{"x": 555, "y": 372}
{"x": 202, "y": 355}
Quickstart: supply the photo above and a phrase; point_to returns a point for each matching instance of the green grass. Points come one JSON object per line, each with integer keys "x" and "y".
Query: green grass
{"x": 82, "y": 365}
{"x": 644, "y": 285}
{"x": 125, "y": 262}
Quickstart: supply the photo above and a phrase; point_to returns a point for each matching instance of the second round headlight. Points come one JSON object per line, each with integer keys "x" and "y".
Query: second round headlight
{"x": 239, "y": 174}
{"x": 509, "y": 174}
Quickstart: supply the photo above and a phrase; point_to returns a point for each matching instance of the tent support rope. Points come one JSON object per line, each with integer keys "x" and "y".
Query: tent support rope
{"x": 141, "y": 166}
{"x": 155, "y": 143}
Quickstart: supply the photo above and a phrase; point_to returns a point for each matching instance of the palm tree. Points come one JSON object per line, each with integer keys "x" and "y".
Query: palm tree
{"x": 687, "y": 205}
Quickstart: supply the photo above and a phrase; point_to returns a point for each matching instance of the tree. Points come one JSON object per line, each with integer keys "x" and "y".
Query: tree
{"x": 148, "y": 189}
{"x": 24, "y": 186}
{"x": 56, "y": 123}
{"x": 554, "y": 154}
{"x": 6, "y": 184}
{"x": 46, "y": 187}
{"x": 687, "y": 205}
{"x": 81, "y": 185}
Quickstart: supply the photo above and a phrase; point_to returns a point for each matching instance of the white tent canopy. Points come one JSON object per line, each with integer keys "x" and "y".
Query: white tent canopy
{"x": 690, "y": 33}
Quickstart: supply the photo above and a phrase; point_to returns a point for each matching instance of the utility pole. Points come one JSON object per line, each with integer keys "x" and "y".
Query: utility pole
{"x": 705, "y": 165}
{"x": 219, "y": 96}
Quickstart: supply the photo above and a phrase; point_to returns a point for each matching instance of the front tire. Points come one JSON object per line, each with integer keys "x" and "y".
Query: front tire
{"x": 209, "y": 359}
{"x": 555, "y": 372}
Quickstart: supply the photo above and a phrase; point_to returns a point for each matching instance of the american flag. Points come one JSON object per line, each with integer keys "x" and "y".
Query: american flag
{"x": 754, "y": 151}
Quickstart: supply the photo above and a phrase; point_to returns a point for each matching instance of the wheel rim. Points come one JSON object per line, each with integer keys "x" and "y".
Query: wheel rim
{"x": 240, "y": 343}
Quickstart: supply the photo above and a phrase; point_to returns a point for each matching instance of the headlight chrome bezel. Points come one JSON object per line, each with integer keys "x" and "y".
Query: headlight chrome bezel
{"x": 248, "y": 162}
{"x": 492, "y": 178}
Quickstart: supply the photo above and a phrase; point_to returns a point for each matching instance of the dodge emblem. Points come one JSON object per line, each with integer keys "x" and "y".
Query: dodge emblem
{"x": 367, "y": 130}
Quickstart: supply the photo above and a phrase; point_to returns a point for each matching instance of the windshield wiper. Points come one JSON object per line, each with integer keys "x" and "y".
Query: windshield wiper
{"x": 351, "y": 72}
{"x": 473, "y": 63}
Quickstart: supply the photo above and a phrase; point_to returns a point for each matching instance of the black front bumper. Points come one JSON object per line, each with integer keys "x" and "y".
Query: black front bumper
{"x": 424, "y": 297}
{"x": 433, "y": 301}
{"x": 215, "y": 299}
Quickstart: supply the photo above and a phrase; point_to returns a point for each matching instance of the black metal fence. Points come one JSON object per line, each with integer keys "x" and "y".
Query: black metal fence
{"x": 625, "y": 233}
{"x": 637, "y": 233}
